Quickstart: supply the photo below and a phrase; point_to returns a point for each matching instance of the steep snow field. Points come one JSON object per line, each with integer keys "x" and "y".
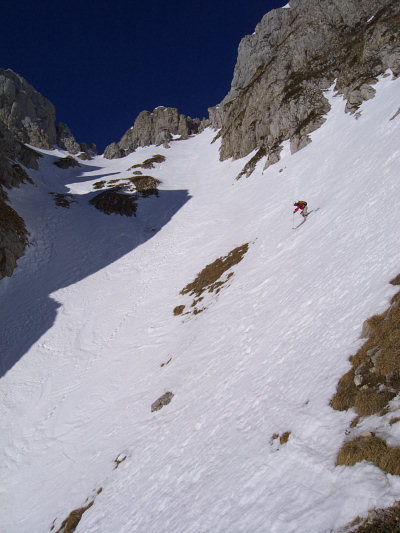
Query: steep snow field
{"x": 87, "y": 321}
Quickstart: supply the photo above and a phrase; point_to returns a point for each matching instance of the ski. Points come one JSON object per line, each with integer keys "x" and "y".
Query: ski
{"x": 305, "y": 218}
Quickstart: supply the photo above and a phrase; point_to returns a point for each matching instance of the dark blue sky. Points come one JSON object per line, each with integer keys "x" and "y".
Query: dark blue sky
{"x": 102, "y": 62}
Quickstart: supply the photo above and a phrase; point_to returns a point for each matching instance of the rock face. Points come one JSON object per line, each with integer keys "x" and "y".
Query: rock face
{"x": 29, "y": 116}
{"x": 65, "y": 139}
{"x": 293, "y": 56}
{"x": 13, "y": 233}
{"x": 113, "y": 151}
{"x": 25, "y": 117}
{"x": 90, "y": 148}
{"x": 13, "y": 239}
{"x": 157, "y": 128}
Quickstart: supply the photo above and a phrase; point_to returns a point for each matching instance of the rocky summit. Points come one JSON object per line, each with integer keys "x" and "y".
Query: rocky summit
{"x": 159, "y": 128}
{"x": 28, "y": 115}
{"x": 294, "y": 55}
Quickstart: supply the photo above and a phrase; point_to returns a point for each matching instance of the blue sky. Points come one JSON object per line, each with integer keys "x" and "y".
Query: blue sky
{"x": 101, "y": 63}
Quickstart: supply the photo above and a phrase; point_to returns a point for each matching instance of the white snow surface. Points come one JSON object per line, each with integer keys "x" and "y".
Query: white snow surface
{"x": 87, "y": 321}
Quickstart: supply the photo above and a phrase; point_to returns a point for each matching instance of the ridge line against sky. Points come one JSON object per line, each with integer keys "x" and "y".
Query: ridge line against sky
{"x": 101, "y": 63}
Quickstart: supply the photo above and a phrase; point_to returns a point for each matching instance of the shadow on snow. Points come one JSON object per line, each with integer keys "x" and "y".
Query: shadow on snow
{"x": 69, "y": 245}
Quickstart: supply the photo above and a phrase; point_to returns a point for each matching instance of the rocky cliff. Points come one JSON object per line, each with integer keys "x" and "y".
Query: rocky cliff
{"x": 158, "y": 127}
{"x": 296, "y": 53}
{"x": 28, "y": 115}
{"x": 25, "y": 117}
{"x": 13, "y": 233}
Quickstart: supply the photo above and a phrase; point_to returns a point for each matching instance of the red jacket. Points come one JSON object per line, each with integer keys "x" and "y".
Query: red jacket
{"x": 299, "y": 205}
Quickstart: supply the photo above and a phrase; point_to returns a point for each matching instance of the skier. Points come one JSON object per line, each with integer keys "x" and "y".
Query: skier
{"x": 302, "y": 206}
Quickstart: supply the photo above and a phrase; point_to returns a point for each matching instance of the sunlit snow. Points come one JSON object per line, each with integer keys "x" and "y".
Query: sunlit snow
{"x": 87, "y": 321}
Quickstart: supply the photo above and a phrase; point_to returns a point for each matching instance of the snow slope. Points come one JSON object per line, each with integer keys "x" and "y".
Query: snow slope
{"x": 89, "y": 321}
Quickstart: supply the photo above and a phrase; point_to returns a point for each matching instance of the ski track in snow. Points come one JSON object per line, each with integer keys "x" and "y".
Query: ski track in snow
{"x": 89, "y": 320}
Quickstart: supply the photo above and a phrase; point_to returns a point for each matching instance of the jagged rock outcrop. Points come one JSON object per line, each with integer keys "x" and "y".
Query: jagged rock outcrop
{"x": 113, "y": 151}
{"x": 157, "y": 128}
{"x": 293, "y": 56}
{"x": 29, "y": 116}
{"x": 90, "y": 148}
{"x": 65, "y": 139}
{"x": 13, "y": 239}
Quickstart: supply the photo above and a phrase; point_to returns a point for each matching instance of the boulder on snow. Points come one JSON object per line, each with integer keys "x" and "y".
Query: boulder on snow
{"x": 66, "y": 162}
{"x": 165, "y": 399}
{"x": 111, "y": 201}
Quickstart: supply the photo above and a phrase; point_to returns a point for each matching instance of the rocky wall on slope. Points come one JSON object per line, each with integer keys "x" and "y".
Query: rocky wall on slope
{"x": 25, "y": 117}
{"x": 29, "y": 116}
{"x": 158, "y": 127}
{"x": 65, "y": 139}
{"x": 296, "y": 53}
{"x": 13, "y": 233}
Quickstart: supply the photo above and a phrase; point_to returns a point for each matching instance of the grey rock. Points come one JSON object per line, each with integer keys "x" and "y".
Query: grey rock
{"x": 366, "y": 330}
{"x": 90, "y": 148}
{"x": 165, "y": 399}
{"x": 366, "y": 434}
{"x": 113, "y": 151}
{"x": 13, "y": 233}
{"x": 361, "y": 369}
{"x": 13, "y": 150}
{"x": 84, "y": 156}
{"x": 158, "y": 127}
{"x": 29, "y": 116}
{"x": 372, "y": 351}
{"x": 389, "y": 312}
{"x": 358, "y": 380}
{"x": 375, "y": 356}
{"x": 294, "y": 55}
{"x": 12, "y": 174}
{"x": 13, "y": 237}
{"x": 28, "y": 157}
{"x": 65, "y": 139}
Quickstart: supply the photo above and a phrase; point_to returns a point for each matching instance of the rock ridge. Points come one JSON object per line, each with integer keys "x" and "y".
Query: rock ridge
{"x": 158, "y": 127}
{"x": 282, "y": 70}
{"x": 30, "y": 117}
